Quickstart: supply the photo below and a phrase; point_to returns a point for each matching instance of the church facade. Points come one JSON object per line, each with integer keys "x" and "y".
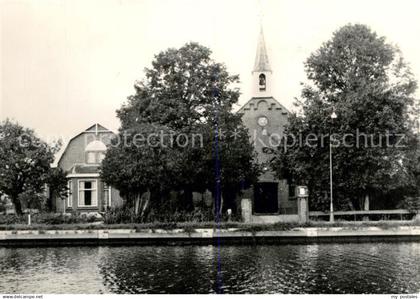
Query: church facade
{"x": 270, "y": 200}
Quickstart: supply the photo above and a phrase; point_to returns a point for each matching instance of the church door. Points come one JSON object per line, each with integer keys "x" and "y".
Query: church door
{"x": 266, "y": 198}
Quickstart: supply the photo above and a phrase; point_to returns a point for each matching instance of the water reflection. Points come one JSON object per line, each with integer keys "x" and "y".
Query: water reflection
{"x": 322, "y": 268}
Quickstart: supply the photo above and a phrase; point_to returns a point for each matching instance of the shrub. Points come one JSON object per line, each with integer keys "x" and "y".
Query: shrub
{"x": 126, "y": 215}
{"x": 50, "y": 218}
{"x": 118, "y": 215}
{"x": 47, "y": 218}
{"x": 12, "y": 219}
{"x": 411, "y": 203}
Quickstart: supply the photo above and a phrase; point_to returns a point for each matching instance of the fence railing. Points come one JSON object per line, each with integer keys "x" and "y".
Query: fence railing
{"x": 367, "y": 215}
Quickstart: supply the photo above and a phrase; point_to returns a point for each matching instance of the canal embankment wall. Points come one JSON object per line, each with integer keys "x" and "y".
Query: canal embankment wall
{"x": 208, "y": 236}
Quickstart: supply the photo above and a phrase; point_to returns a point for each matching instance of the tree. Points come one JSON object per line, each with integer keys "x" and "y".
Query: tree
{"x": 136, "y": 169}
{"x": 366, "y": 82}
{"x": 57, "y": 184}
{"x": 184, "y": 96}
{"x": 24, "y": 163}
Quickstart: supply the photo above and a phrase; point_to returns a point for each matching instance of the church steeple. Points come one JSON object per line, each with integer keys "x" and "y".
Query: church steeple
{"x": 261, "y": 72}
{"x": 261, "y": 59}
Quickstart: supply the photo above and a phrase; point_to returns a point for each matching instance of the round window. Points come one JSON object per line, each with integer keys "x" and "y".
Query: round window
{"x": 262, "y": 121}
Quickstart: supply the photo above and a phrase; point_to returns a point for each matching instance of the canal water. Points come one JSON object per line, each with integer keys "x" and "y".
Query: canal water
{"x": 318, "y": 268}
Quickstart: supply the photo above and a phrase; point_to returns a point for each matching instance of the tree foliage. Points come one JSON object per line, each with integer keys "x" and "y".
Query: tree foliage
{"x": 24, "y": 164}
{"x": 185, "y": 94}
{"x": 57, "y": 184}
{"x": 366, "y": 82}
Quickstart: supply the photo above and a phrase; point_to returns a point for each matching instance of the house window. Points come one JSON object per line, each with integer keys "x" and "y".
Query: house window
{"x": 95, "y": 152}
{"x": 91, "y": 157}
{"x": 88, "y": 195}
{"x": 69, "y": 194}
{"x": 95, "y": 157}
{"x": 107, "y": 195}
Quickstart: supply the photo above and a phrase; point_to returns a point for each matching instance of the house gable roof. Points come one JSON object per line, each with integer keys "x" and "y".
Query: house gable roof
{"x": 96, "y": 128}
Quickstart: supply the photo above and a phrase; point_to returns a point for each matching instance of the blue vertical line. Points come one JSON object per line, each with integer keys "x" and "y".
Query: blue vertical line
{"x": 219, "y": 281}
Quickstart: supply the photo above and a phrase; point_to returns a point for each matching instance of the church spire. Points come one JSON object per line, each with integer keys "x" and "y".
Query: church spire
{"x": 261, "y": 59}
{"x": 262, "y": 70}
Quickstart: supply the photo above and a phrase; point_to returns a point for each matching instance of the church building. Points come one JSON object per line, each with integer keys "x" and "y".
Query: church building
{"x": 265, "y": 119}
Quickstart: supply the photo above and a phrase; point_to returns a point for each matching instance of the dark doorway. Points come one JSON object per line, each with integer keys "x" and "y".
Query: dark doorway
{"x": 266, "y": 198}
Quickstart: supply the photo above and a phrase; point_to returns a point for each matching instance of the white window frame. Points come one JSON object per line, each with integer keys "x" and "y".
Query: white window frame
{"x": 97, "y": 156}
{"x": 93, "y": 189}
{"x": 108, "y": 204}
{"x": 70, "y": 194}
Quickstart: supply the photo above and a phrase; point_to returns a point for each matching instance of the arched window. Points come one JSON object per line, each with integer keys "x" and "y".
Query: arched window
{"x": 262, "y": 82}
{"x": 95, "y": 152}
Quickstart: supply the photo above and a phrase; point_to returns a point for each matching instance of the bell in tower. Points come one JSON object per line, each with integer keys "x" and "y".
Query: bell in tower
{"x": 262, "y": 82}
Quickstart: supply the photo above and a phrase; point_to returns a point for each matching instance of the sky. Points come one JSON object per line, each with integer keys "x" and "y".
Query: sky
{"x": 67, "y": 64}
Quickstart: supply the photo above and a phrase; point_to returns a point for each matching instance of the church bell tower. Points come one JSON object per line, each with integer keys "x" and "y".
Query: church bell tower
{"x": 261, "y": 72}
{"x": 266, "y": 119}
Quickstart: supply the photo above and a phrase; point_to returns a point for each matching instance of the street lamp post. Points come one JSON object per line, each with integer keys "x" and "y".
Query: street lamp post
{"x": 333, "y": 116}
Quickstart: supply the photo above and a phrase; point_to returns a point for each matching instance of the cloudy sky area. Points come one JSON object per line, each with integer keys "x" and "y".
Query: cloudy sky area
{"x": 66, "y": 64}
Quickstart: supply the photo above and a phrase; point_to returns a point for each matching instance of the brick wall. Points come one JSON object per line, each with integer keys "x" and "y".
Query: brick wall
{"x": 268, "y": 136}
